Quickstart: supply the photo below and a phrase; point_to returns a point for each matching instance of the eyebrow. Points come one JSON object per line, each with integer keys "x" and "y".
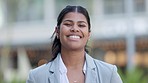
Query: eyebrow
{"x": 67, "y": 20}
{"x": 78, "y": 21}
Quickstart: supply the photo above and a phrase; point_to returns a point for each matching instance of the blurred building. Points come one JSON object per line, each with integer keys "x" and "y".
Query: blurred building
{"x": 119, "y": 31}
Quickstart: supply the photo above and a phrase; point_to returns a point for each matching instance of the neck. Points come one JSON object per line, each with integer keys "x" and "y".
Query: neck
{"x": 73, "y": 58}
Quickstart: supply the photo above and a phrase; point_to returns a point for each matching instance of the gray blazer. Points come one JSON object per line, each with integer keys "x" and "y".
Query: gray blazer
{"x": 96, "y": 72}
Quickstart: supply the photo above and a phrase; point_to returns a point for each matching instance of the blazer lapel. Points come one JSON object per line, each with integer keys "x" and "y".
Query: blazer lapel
{"x": 90, "y": 76}
{"x": 54, "y": 71}
{"x": 91, "y": 72}
{"x": 53, "y": 78}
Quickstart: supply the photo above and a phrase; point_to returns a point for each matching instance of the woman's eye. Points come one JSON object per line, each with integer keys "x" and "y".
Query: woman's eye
{"x": 68, "y": 24}
{"x": 82, "y": 25}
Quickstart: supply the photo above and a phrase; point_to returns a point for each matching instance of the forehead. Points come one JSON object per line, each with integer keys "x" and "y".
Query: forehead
{"x": 75, "y": 16}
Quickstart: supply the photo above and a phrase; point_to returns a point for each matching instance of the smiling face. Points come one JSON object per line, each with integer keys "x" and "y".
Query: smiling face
{"x": 73, "y": 32}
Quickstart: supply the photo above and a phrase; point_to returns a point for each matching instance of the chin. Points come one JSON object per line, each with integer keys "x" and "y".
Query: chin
{"x": 76, "y": 48}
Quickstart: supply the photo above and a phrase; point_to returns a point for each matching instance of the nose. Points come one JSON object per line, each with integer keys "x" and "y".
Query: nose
{"x": 74, "y": 28}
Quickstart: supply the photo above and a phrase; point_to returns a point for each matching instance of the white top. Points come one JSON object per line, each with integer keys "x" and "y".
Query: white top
{"x": 63, "y": 70}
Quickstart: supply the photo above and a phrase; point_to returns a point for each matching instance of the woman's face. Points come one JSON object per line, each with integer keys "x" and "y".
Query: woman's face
{"x": 74, "y": 31}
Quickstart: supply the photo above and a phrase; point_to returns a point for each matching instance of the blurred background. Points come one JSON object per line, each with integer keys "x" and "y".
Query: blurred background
{"x": 119, "y": 35}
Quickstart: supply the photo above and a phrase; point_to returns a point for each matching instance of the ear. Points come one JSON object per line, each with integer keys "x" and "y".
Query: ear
{"x": 57, "y": 32}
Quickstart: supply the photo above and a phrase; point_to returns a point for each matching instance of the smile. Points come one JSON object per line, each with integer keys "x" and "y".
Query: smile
{"x": 74, "y": 36}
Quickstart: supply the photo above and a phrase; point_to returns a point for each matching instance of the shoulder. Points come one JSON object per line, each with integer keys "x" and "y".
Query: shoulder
{"x": 92, "y": 63}
{"x": 41, "y": 68}
{"x": 38, "y": 74}
{"x": 107, "y": 71}
{"x": 104, "y": 65}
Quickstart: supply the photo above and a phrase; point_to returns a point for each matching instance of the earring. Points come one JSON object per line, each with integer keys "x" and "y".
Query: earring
{"x": 57, "y": 37}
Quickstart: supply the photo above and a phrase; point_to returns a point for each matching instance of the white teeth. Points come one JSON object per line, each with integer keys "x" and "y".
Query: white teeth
{"x": 74, "y": 36}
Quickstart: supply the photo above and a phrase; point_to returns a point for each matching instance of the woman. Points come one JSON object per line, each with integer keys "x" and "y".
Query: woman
{"x": 71, "y": 63}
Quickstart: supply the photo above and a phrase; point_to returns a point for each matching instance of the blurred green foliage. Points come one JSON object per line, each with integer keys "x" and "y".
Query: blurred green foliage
{"x": 13, "y": 81}
{"x": 134, "y": 76}
{"x": 18, "y": 81}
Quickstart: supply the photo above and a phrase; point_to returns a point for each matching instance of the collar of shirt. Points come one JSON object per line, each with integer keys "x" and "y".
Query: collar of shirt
{"x": 62, "y": 67}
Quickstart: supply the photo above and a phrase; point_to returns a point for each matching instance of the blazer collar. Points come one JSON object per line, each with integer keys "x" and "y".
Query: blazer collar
{"x": 91, "y": 71}
{"x": 55, "y": 63}
{"x": 90, "y": 61}
{"x": 54, "y": 71}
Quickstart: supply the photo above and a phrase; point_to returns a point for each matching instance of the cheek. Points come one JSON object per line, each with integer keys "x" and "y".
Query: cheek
{"x": 63, "y": 28}
{"x": 87, "y": 36}
{"x": 86, "y": 33}
{"x": 63, "y": 31}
